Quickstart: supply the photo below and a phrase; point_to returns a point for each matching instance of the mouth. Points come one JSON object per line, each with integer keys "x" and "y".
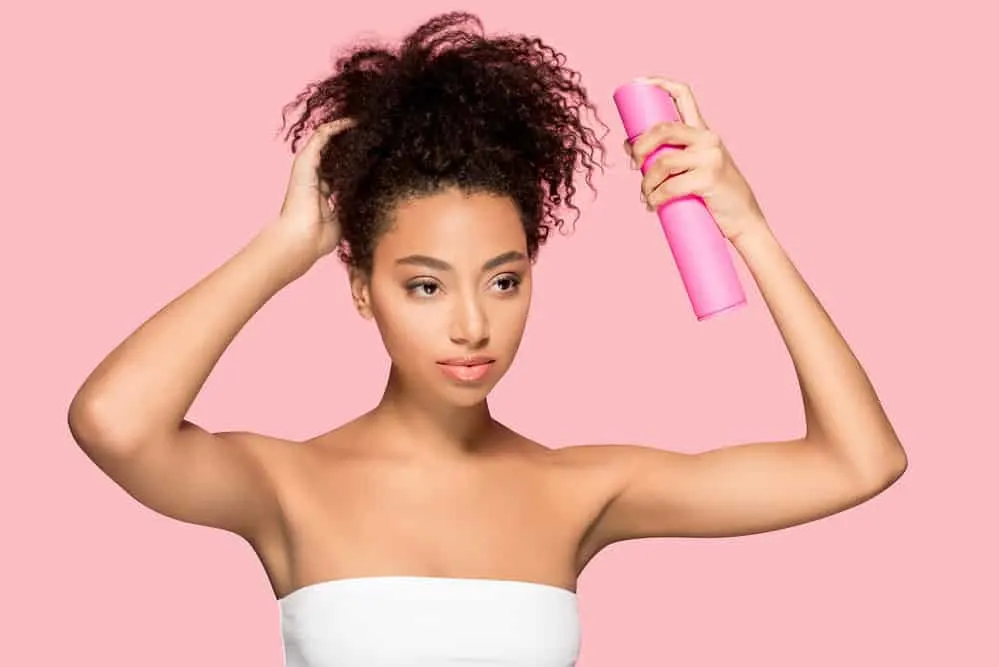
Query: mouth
{"x": 466, "y": 369}
{"x": 466, "y": 361}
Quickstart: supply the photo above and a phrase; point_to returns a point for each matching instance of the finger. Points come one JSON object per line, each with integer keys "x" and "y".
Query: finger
{"x": 324, "y": 189}
{"x": 668, "y": 165}
{"x": 688, "y": 183}
{"x": 306, "y": 162}
{"x": 630, "y": 153}
{"x": 321, "y": 135}
{"x": 669, "y": 134}
{"x": 686, "y": 105}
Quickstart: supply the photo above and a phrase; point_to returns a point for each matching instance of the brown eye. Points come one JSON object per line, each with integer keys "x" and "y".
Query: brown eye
{"x": 423, "y": 288}
{"x": 507, "y": 282}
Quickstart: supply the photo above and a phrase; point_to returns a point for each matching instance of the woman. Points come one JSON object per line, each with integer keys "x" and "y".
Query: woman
{"x": 425, "y": 532}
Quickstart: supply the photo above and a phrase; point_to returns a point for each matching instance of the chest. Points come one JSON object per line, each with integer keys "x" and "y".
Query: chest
{"x": 362, "y": 518}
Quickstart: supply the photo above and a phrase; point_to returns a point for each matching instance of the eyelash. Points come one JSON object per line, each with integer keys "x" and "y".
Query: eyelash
{"x": 414, "y": 286}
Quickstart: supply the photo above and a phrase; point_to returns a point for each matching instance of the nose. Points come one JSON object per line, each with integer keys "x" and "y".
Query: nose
{"x": 469, "y": 323}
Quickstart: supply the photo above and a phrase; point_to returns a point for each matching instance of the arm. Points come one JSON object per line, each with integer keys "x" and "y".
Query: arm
{"x": 849, "y": 451}
{"x": 129, "y": 415}
{"x": 848, "y": 454}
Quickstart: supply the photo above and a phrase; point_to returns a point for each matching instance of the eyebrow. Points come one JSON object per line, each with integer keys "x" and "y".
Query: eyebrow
{"x": 441, "y": 265}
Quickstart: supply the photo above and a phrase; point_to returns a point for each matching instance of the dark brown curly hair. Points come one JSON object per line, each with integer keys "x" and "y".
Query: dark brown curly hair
{"x": 449, "y": 107}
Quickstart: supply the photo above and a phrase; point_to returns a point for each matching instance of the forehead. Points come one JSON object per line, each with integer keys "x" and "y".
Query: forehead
{"x": 454, "y": 226}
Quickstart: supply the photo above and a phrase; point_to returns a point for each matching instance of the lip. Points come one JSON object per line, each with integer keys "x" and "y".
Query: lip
{"x": 466, "y": 361}
{"x": 466, "y": 370}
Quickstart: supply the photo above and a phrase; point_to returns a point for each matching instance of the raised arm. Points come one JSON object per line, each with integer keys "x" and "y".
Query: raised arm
{"x": 849, "y": 451}
{"x": 129, "y": 415}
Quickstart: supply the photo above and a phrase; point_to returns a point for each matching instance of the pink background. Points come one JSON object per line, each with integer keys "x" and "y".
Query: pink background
{"x": 140, "y": 151}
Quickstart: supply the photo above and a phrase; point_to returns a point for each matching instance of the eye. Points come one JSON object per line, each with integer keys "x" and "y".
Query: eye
{"x": 423, "y": 288}
{"x": 508, "y": 282}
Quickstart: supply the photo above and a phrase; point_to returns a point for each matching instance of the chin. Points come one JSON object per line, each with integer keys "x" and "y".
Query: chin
{"x": 464, "y": 396}
{"x": 467, "y": 394}
{"x": 465, "y": 399}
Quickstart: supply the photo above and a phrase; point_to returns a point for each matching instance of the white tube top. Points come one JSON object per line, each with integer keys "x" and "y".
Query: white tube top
{"x": 399, "y": 621}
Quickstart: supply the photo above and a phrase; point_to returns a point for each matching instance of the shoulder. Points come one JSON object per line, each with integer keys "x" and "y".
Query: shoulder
{"x": 257, "y": 444}
{"x": 609, "y": 459}
{"x": 594, "y": 477}
{"x": 261, "y": 450}
{"x": 606, "y": 471}
{"x": 274, "y": 447}
{"x": 282, "y": 463}
{"x": 597, "y": 473}
{"x": 601, "y": 460}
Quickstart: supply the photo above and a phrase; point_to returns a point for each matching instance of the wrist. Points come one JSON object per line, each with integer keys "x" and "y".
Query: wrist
{"x": 756, "y": 234}
{"x": 289, "y": 256}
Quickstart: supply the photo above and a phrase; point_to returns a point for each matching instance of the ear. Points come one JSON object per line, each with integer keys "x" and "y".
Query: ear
{"x": 360, "y": 290}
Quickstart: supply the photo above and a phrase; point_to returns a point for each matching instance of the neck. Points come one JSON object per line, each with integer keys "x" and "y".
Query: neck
{"x": 424, "y": 425}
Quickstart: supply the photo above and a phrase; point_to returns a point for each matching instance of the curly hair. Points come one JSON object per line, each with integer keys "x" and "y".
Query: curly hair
{"x": 449, "y": 107}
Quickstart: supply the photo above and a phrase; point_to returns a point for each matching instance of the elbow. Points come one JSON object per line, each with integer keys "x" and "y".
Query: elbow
{"x": 896, "y": 462}
{"x": 870, "y": 466}
{"x": 887, "y": 468}
{"x": 94, "y": 427}
{"x": 898, "y": 467}
{"x": 86, "y": 427}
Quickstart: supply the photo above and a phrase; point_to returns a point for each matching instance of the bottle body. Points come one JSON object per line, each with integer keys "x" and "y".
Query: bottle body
{"x": 701, "y": 252}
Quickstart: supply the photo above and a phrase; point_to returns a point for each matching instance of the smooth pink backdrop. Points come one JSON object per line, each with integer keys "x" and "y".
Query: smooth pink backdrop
{"x": 140, "y": 151}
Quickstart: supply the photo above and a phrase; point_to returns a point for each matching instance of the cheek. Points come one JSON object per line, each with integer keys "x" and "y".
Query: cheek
{"x": 513, "y": 325}
{"x": 511, "y": 317}
{"x": 409, "y": 330}
{"x": 507, "y": 321}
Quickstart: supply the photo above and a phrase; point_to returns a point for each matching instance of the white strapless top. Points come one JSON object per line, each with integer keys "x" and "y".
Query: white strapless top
{"x": 398, "y": 621}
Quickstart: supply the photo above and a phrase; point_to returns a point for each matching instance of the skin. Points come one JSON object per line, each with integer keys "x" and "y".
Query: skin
{"x": 428, "y": 482}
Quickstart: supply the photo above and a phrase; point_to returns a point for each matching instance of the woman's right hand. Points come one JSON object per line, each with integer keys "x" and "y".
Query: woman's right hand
{"x": 307, "y": 221}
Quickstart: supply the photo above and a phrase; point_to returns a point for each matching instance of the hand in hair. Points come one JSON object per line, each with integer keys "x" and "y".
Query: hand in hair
{"x": 307, "y": 221}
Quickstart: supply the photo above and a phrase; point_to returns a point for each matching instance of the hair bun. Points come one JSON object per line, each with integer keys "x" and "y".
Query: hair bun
{"x": 450, "y": 105}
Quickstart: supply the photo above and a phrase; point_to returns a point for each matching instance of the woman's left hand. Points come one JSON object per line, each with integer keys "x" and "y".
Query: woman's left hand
{"x": 701, "y": 167}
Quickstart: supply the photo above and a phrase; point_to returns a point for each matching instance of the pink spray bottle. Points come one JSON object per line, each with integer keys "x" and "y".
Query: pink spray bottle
{"x": 699, "y": 248}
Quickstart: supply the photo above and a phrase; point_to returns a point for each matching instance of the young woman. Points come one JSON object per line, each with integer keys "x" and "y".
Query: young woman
{"x": 425, "y": 532}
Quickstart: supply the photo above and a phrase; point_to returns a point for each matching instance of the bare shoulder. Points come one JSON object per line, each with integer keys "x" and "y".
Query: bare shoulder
{"x": 588, "y": 475}
{"x": 588, "y": 455}
{"x": 259, "y": 446}
{"x": 603, "y": 471}
{"x": 609, "y": 463}
{"x": 267, "y": 454}
{"x": 583, "y": 481}
{"x": 295, "y": 468}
